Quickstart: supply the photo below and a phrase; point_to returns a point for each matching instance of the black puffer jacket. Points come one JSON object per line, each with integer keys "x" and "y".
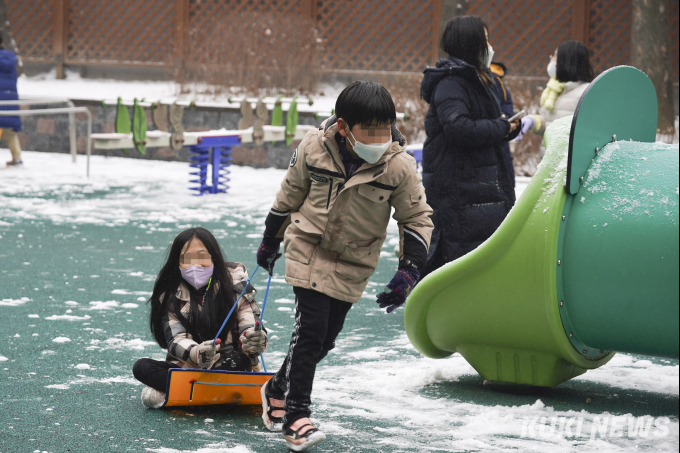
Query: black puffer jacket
{"x": 465, "y": 173}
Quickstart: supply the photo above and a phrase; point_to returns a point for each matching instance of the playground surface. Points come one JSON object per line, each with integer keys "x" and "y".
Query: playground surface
{"x": 78, "y": 258}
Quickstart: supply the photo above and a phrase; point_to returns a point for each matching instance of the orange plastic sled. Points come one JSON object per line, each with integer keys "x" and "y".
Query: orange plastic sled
{"x": 192, "y": 387}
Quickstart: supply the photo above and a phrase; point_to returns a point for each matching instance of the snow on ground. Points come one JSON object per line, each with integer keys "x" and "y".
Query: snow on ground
{"x": 391, "y": 388}
{"x": 211, "y": 448}
{"x": 14, "y": 302}
{"x": 121, "y": 190}
{"x": 77, "y": 88}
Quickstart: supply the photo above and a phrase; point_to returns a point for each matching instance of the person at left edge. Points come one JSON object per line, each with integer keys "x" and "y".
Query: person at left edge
{"x": 332, "y": 213}
{"x": 192, "y": 296}
{"x": 9, "y": 125}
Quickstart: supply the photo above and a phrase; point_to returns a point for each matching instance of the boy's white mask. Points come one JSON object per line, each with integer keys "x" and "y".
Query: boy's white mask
{"x": 370, "y": 153}
{"x": 552, "y": 68}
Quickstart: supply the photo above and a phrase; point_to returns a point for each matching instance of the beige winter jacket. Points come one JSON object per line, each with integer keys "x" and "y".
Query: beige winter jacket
{"x": 565, "y": 105}
{"x": 336, "y": 226}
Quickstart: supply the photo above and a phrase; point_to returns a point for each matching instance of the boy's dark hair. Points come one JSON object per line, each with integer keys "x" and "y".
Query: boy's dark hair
{"x": 464, "y": 38}
{"x": 366, "y": 103}
{"x": 573, "y": 62}
{"x": 0, "y": 39}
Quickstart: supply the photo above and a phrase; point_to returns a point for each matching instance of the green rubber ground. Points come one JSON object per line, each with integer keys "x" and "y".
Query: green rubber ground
{"x": 374, "y": 393}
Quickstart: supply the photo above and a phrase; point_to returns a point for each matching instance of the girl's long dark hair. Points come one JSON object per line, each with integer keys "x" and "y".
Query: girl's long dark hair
{"x": 204, "y": 325}
{"x": 573, "y": 62}
{"x": 465, "y": 38}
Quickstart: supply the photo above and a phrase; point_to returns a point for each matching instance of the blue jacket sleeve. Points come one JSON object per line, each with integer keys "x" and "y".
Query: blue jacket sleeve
{"x": 460, "y": 129}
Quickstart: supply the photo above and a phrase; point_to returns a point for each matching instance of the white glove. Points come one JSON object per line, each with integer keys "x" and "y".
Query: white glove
{"x": 254, "y": 340}
{"x": 205, "y": 354}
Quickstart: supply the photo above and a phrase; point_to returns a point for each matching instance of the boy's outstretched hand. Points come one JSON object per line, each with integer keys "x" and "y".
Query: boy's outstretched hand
{"x": 268, "y": 253}
{"x": 398, "y": 289}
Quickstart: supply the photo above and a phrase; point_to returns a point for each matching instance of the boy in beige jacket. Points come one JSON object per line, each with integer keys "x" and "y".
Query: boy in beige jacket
{"x": 331, "y": 213}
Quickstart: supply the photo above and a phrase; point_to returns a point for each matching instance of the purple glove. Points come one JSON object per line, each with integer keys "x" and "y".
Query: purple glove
{"x": 398, "y": 289}
{"x": 527, "y": 123}
{"x": 268, "y": 253}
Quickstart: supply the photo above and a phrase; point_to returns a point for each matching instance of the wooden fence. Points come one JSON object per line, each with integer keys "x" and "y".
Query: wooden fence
{"x": 396, "y": 36}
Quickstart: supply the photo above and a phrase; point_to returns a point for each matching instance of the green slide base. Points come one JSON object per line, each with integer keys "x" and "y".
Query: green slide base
{"x": 519, "y": 366}
{"x": 498, "y": 306}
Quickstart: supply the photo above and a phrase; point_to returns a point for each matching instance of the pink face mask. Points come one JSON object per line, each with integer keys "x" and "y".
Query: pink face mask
{"x": 197, "y": 276}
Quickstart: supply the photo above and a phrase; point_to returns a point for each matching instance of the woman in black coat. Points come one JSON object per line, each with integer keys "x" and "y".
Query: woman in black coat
{"x": 465, "y": 173}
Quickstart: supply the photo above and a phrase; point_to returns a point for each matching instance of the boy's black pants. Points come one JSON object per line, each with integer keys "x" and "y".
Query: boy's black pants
{"x": 318, "y": 321}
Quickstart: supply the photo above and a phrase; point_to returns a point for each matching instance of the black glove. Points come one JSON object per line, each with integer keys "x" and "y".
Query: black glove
{"x": 268, "y": 253}
{"x": 398, "y": 289}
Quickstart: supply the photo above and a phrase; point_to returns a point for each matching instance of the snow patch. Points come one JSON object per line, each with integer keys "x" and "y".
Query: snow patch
{"x": 67, "y": 318}
{"x": 82, "y": 366}
{"x": 99, "y": 305}
{"x": 14, "y": 302}
{"x": 62, "y": 340}
{"x": 222, "y": 447}
{"x": 283, "y": 300}
{"x": 119, "y": 343}
{"x": 125, "y": 292}
{"x": 164, "y": 200}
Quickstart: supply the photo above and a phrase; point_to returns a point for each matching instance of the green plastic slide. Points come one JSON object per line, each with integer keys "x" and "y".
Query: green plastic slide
{"x": 568, "y": 278}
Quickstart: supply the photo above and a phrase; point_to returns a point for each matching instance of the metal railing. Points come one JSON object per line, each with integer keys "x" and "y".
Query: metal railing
{"x": 71, "y": 110}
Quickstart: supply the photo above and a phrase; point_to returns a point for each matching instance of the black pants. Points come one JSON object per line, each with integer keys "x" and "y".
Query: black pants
{"x": 154, "y": 373}
{"x": 318, "y": 321}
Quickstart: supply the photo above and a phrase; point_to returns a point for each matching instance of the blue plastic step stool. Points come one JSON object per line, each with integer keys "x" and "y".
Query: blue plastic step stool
{"x": 214, "y": 151}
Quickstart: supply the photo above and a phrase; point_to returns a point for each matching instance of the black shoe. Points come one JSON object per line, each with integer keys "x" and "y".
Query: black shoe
{"x": 15, "y": 163}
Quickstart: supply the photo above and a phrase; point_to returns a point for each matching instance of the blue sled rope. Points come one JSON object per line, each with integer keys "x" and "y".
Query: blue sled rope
{"x": 236, "y": 303}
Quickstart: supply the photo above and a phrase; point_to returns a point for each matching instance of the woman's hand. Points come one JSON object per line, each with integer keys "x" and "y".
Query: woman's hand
{"x": 254, "y": 340}
{"x": 513, "y": 124}
{"x": 205, "y": 354}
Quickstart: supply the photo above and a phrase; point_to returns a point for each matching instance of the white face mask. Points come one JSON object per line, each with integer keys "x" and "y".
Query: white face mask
{"x": 370, "y": 153}
{"x": 489, "y": 57}
{"x": 552, "y": 68}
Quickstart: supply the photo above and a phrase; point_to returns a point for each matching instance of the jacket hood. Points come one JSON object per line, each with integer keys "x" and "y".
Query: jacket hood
{"x": 498, "y": 68}
{"x": 445, "y": 67}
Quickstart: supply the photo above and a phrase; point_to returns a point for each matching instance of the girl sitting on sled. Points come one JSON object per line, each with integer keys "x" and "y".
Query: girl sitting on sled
{"x": 192, "y": 297}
